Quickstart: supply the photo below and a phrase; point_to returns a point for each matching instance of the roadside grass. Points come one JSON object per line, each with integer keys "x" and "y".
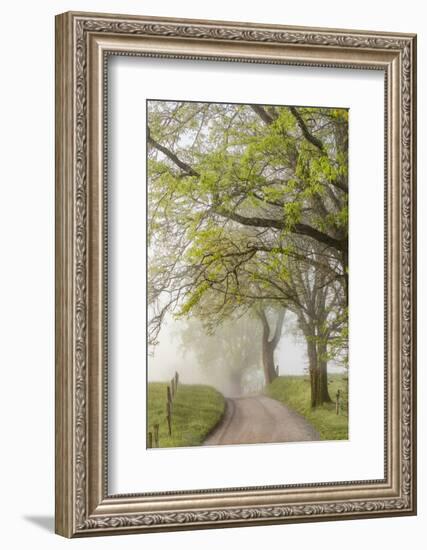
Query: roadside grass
{"x": 294, "y": 391}
{"x": 196, "y": 411}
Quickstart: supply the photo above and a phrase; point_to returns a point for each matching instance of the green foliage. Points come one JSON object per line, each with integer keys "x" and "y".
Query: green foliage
{"x": 228, "y": 218}
{"x": 193, "y": 299}
{"x": 196, "y": 411}
{"x": 292, "y": 213}
{"x": 243, "y": 162}
{"x": 338, "y": 342}
{"x": 294, "y": 391}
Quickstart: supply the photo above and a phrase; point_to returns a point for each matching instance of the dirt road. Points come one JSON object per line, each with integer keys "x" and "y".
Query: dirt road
{"x": 260, "y": 419}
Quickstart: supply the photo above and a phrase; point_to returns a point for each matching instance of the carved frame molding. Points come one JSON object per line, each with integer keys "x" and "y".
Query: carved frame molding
{"x": 83, "y": 43}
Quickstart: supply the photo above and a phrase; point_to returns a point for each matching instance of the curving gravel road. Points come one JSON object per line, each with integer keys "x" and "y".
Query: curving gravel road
{"x": 260, "y": 419}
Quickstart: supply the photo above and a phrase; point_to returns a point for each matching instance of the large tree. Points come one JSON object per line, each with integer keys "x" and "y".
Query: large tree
{"x": 237, "y": 195}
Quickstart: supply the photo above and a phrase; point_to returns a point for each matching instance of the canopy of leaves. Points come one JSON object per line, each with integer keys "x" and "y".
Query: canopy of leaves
{"x": 246, "y": 203}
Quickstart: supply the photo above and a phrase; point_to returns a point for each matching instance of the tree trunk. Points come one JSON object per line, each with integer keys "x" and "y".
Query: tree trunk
{"x": 312, "y": 369}
{"x": 322, "y": 385}
{"x": 318, "y": 369}
{"x": 268, "y": 361}
{"x": 269, "y": 345}
{"x": 345, "y": 267}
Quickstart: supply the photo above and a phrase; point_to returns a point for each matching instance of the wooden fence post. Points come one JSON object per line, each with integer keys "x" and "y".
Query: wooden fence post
{"x": 338, "y": 401}
{"x": 150, "y": 440}
{"x": 176, "y": 379}
{"x": 169, "y": 416}
{"x": 156, "y": 435}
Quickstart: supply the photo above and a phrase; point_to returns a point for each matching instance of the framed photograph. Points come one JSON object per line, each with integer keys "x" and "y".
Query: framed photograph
{"x": 235, "y": 274}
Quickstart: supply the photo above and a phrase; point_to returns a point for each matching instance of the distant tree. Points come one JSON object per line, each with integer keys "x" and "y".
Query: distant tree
{"x": 229, "y": 354}
{"x": 241, "y": 199}
{"x": 271, "y": 333}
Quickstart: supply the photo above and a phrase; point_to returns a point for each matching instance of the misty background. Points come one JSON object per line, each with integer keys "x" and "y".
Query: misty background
{"x": 175, "y": 353}
{"x": 231, "y": 357}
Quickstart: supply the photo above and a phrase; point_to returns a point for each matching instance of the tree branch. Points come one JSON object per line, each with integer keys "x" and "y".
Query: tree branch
{"x": 339, "y": 184}
{"x": 279, "y": 326}
{"x": 262, "y": 113}
{"x": 306, "y": 132}
{"x": 189, "y": 170}
{"x": 299, "y": 228}
{"x": 254, "y": 221}
{"x": 266, "y": 325}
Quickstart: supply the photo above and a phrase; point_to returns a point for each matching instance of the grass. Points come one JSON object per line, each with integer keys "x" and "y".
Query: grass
{"x": 294, "y": 391}
{"x": 196, "y": 411}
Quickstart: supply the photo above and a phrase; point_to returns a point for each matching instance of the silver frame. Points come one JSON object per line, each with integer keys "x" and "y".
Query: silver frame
{"x": 83, "y": 43}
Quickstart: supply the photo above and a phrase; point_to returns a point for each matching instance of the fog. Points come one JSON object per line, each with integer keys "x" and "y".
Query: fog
{"x": 172, "y": 355}
{"x": 229, "y": 359}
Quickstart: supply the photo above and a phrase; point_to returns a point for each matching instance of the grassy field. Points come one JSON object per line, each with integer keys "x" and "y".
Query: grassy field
{"x": 196, "y": 411}
{"x": 294, "y": 391}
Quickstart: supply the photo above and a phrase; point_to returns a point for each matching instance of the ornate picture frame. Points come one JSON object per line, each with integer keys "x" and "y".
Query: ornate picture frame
{"x": 84, "y": 42}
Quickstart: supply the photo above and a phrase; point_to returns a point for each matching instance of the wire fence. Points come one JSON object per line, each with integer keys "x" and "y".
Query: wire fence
{"x": 153, "y": 439}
